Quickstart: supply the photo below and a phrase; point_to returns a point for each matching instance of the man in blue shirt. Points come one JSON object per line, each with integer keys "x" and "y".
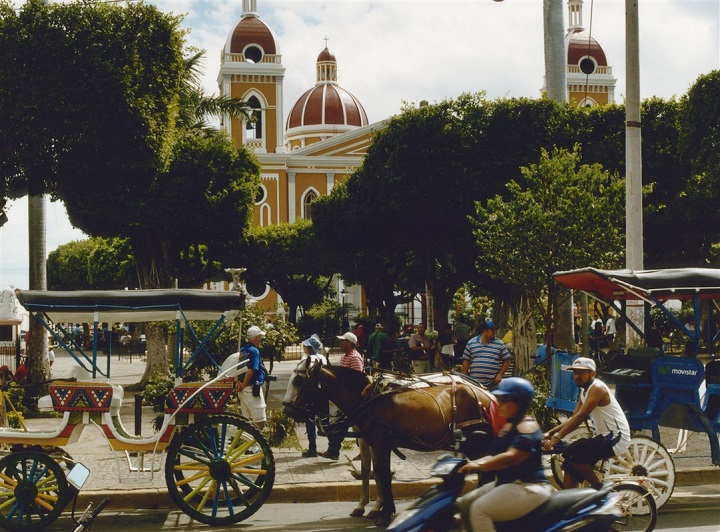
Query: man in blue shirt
{"x": 486, "y": 358}
{"x": 249, "y": 379}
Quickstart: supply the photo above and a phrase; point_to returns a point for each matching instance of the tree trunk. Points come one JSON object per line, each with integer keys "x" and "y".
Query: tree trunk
{"x": 38, "y": 369}
{"x": 3, "y": 414}
{"x": 152, "y": 274}
{"x": 564, "y": 334}
{"x": 429, "y": 306}
{"x": 157, "y": 355}
{"x": 524, "y": 342}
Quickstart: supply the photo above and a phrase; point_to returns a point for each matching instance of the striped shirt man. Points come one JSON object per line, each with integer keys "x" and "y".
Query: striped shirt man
{"x": 486, "y": 358}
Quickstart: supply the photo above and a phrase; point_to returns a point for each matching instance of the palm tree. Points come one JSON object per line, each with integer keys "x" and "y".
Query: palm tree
{"x": 195, "y": 106}
{"x": 38, "y": 371}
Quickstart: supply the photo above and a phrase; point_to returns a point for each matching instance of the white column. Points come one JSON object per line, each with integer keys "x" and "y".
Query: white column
{"x": 292, "y": 200}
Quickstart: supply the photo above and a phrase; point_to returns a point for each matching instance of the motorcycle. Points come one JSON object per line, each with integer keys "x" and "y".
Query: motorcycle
{"x": 76, "y": 478}
{"x": 572, "y": 509}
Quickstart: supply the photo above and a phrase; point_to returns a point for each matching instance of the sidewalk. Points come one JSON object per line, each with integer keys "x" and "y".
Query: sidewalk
{"x": 297, "y": 479}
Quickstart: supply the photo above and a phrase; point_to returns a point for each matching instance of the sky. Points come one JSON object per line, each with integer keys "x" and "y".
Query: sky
{"x": 391, "y": 52}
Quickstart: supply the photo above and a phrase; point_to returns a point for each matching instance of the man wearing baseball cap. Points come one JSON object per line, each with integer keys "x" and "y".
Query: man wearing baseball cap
{"x": 607, "y": 420}
{"x": 486, "y": 358}
{"x": 353, "y": 360}
{"x": 249, "y": 380}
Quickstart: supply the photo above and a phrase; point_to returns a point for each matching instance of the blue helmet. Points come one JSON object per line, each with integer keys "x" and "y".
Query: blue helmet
{"x": 516, "y": 389}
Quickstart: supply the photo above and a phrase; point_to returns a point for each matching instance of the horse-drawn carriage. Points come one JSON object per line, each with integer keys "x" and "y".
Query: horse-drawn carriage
{"x": 217, "y": 466}
{"x": 656, "y": 389}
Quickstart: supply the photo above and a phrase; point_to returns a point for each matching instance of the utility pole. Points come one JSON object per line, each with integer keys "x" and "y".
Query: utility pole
{"x": 633, "y": 166}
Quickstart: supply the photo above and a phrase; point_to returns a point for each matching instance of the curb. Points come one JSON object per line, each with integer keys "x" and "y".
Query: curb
{"x": 309, "y": 492}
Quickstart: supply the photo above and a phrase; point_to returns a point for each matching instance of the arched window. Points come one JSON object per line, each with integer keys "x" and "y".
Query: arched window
{"x": 254, "y": 129}
{"x": 307, "y": 207}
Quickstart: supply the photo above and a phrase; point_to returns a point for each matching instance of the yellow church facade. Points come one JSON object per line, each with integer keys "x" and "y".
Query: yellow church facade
{"x": 326, "y": 134}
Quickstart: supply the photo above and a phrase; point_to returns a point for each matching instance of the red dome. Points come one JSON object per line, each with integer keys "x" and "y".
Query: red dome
{"x": 325, "y": 55}
{"x": 583, "y": 45}
{"x": 327, "y": 104}
{"x": 252, "y": 30}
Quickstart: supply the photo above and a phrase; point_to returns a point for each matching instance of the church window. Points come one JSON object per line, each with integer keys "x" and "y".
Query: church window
{"x": 307, "y": 207}
{"x": 587, "y": 65}
{"x": 253, "y": 53}
{"x": 254, "y": 128}
{"x": 261, "y": 195}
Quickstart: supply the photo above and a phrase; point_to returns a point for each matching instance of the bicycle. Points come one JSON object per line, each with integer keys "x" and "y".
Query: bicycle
{"x": 636, "y": 500}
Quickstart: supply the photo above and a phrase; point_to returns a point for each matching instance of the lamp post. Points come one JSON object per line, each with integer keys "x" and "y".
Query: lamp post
{"x": 236, "y": 273}
{"x": 343, "y": 295}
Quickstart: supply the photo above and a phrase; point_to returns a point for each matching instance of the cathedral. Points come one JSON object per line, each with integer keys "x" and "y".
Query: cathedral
{"x": 326, "y": 133}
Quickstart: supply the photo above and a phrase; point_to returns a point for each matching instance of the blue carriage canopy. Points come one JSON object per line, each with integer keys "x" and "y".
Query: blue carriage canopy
{"x": 649, "y": 285}
{"x": 111, "y": 306}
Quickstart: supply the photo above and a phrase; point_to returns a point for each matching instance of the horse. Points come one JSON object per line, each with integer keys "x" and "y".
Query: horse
{"x": 365, "y": 473}
{"x": 421, "y": 414}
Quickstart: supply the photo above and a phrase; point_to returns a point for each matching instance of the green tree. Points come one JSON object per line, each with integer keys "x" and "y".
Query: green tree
{"x": 87, "y": 90}
{"x": 95, "y": 263}
{"x": 558, "y": 216}
{"x": 700, "y": 150}
{"x": 290, "y": 259}
{"x": 98, "y": 100}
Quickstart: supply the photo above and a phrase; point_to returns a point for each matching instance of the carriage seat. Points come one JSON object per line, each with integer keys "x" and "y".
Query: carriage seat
{"x": 210, "y": 400}
{"x": 634, "y": 367}
{"x": 82, "y": 397}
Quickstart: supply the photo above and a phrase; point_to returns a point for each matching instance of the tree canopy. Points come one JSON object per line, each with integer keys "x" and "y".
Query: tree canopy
{"x": 88, "y": 91}
{"x": 93, "y": 264}
{"x": 559, "y": 216}
{"x": 290, "y": 259}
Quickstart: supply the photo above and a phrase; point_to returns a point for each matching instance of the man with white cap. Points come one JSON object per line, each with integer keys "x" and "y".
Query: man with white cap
{"x": 353, "y": 360}
{"x": 249, "y": 380}
{"x": 607, "y": 420}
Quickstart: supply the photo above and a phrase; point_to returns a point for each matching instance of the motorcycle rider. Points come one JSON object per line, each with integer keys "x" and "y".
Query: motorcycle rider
{"x": 608, "y": 422}
{"x": 521, "y": 484}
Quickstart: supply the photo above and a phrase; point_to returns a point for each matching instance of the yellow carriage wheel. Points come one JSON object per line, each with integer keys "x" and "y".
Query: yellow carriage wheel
{"x": 219, "y": 470}
{"x": 33, "y": 491}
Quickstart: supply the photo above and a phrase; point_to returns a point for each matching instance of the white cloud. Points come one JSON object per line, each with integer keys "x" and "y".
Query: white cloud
{"x": 394, "y": 51}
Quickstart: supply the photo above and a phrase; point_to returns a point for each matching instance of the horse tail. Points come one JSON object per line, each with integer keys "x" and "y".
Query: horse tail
{"x": 399, "y": 454}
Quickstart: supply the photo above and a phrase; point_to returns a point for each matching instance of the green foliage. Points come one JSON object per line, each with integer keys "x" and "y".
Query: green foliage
{"x": 16, "y": 395}
{"x": 193, "y": 212}
{"x": 289, "y": 258}
{"x": 559, "y": 215}
{"x": 279, "y": 430}
{"x": 60, "y": 133}
{"x": 156, "y": 391}
{"x": 546, "y": 417}
{"x": 280, "y": 334}
{"x": 93, "y": 264}
{"x": 324, "y": 319}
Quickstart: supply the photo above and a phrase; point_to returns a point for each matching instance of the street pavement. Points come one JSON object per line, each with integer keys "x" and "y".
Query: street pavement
{"x": 297, "y": 479}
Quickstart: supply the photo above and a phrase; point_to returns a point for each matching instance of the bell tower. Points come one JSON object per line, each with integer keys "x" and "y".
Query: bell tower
{"x": 251, "y": 69}
{"x": 589, "y": 76}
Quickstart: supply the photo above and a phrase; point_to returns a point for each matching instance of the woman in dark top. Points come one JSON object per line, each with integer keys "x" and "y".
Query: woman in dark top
{"x": 521, "y": 484}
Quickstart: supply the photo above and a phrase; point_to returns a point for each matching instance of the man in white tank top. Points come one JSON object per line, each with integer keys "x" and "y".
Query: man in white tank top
{"x": 610, "y": 427}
